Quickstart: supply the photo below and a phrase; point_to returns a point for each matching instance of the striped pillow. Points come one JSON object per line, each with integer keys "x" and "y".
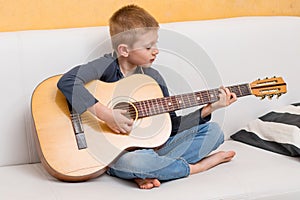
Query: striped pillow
{"x": 277, "y": 131}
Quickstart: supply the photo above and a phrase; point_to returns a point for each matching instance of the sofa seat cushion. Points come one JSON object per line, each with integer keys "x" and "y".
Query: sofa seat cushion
{"x": 252, "y": 174}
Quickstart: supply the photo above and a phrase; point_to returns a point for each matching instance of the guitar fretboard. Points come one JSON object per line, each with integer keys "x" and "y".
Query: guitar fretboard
{"x": 177, "y": 102}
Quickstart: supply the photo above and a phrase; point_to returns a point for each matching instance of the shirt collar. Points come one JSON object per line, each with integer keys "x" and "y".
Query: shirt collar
{"x": 138, "y": 70}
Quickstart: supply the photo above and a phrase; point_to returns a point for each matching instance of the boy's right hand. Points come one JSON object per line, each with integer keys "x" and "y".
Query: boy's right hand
{"x": 117, "y": 121}
{"x": 114, "y": 118}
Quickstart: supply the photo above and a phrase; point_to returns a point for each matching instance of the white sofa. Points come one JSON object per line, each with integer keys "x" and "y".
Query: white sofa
{"x": 199, "y": 55}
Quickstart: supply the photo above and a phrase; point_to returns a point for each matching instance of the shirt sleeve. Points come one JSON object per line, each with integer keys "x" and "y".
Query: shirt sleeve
{"x": 71, "y": 84}
{"x": 181, "y": 123}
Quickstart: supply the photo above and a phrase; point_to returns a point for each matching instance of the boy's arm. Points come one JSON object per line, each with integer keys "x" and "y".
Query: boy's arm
{"x": 72, "y": 83}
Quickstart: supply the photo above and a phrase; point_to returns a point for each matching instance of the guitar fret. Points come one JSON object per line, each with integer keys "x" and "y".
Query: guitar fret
{"x": 214, "y": 96}
{"x": 166, "y": 104}
{"x": 233, "y": 89}
{"x": 161, "y": 105}
{"x": 175, "y": 103}
{"x": 236, "y": 90}
{"x": 193, "y": 99}
{"x": 155, "y": 105}
{"x": 239, "y": 89}
{"x": 199, "y": 97}
{"x": 190, "y": 98}
{"x": 138, "y": 106}
{"x": 151, "y": 107}
{"x": 169, "y": 103}
{"x": 181, "y": 101}
{"x": 145, "y": 108}
{"x": 210, "y": 95}
{"x": 185, "y": 100}
{"x": 247, "y": 90}
{"x": 205, "y": 96}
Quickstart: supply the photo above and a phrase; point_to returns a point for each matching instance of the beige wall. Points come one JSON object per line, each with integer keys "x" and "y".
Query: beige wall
{"x": 52, "y": 14}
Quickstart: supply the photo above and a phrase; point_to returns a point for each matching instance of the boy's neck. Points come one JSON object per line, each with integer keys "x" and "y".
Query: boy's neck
{"x": 126, "y": 68}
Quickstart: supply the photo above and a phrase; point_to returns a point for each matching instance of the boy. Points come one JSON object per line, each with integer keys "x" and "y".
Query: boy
{"x": 134, "y": 34}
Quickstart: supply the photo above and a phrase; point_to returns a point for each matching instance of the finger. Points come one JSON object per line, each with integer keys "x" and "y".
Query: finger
{"x": 125, "y": 120}
{"x": 227, "y": 91}
{"x": 222, "y": 90}
{"x": 115, "y": 130}
{"x": 122, "y": 129}
{"x": 222, "y": 93}
{"x": 233, "y": 98}
{"x": 130, "y": 123}
{"x": 119, "y": 112}
{"x": 122, "y": 111}
{"x": 127, "y": 128}
{"x": 223, "y": 98}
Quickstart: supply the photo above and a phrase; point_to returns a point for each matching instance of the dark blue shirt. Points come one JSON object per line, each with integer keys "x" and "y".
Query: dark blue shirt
{"x": 107, "y": 69}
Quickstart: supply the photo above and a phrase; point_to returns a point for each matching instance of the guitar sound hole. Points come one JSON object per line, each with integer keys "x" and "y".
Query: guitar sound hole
{"x": 131, "y": 110}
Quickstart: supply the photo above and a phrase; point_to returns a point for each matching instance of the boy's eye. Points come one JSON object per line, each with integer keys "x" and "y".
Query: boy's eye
{"x": 151, "y": 46}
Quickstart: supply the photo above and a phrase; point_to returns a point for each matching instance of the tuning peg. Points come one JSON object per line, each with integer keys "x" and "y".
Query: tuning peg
{"x": 262, "y": 97}
{"x": 270, "y": 96}
{"x": 278, "y": 95}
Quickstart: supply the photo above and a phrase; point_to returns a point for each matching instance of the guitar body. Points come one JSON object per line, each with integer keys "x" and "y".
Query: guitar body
{"x": 58, "y": 148}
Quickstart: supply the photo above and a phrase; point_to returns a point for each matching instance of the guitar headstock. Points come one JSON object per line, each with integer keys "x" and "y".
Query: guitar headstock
{"x": 268, "y": 87}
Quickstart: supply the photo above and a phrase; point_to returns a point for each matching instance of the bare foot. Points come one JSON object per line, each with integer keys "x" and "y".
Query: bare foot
{"x": 147, "y": 183}
{"x": 211, "y": 161}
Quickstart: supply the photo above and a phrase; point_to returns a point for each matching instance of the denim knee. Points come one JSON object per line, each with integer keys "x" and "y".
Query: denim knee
{"x": 216, "y": 133}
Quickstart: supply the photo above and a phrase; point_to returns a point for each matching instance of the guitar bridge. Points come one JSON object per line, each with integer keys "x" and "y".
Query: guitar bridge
{"x": 78, "y": 129}
{"x": 81, "y": 142}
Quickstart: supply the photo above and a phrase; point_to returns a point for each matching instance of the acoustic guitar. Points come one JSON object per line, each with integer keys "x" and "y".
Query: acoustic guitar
{"x": 75, "y": 147}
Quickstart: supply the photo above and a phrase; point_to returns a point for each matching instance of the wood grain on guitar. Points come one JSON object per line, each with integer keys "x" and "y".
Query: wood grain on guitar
{"x": 80, "y": 147}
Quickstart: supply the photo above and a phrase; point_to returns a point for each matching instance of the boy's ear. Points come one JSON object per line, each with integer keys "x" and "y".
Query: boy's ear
{"x": 123, "y": 50}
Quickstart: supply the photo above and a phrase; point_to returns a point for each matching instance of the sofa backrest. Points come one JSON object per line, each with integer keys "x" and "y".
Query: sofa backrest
{"x": 193, "y": 56}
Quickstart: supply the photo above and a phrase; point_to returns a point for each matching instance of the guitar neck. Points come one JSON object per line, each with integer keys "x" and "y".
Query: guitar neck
{"x": 177, "y": 102}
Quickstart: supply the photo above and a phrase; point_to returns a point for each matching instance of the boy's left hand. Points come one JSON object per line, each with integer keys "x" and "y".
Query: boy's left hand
{"x": 225, "y": 98}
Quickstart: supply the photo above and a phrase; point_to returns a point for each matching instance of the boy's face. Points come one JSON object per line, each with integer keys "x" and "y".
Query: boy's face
{"x": 144, "y": 51}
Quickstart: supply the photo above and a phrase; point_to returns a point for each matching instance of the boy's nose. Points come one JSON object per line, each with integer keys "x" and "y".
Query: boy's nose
{"x": 155, "y": 51}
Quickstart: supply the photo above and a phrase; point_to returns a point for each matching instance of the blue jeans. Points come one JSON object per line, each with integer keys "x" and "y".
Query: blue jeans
{"x": 172, "y": 160}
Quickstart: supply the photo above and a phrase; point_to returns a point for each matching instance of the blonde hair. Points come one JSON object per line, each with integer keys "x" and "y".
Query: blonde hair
{"x": 127, "y": 22}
